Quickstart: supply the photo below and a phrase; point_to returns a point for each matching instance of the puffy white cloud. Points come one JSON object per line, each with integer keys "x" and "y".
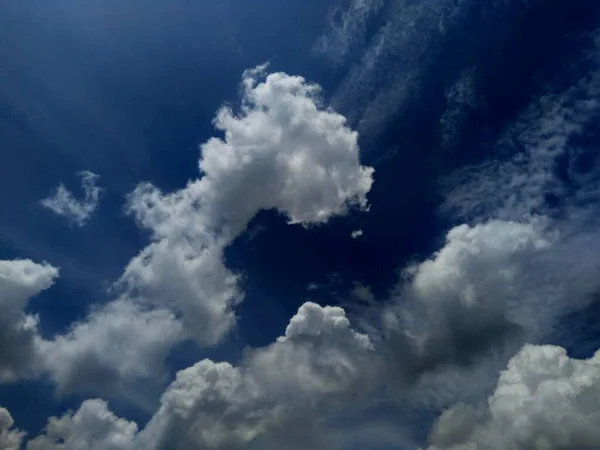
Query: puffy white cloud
{"x": 118, "y": 343}
{"x": 92, "y": 427}
{"x": 76, "y": 211}
{"x": 282, "y": 151}
{"x": 543, "y": 400}
{"x": 262, "y": 402}
{"x": 10, "y": 438}
{"x": 216, "y": 405}
{"x": 19, "y": 281}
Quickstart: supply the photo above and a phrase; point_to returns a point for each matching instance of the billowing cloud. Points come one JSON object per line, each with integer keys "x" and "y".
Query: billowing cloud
{"x": 19, "y": 281}
{"x": 543, "y": 400}
{"x": 92, "y": 427}
{"x": 76, "y": 211}
{"x": 282, "y": 151}
{"x": 217, "y": 405}
{"x": 119, "y": 342}
{"x": 469, "y": 295}
{"x": 10, "y": 438}
{"x": 502, "y": 279}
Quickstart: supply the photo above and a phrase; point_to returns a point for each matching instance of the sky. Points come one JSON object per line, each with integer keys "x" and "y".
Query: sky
{"x": 341, "y": 224}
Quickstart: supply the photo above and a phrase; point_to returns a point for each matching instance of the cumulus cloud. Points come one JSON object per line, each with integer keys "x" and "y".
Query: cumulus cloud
{"x": 470, "y": 293}
{"x": 217, "y": 405}
{"x": 19, "y": 281}
{"x": 118, "y": 343}
{"x": 496, "y": 282}
{"x": 451, "y": 308}
{"x": 10, "y": 438}
{"x": 76, "y": 211}
{"x": 91, "y": 427}
{"x": 544, "y": 399}
{"x": 281, "y": 151}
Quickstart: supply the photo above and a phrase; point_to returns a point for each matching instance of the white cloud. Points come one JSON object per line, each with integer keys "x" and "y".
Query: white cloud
{"x": 118, "y": 343}
{"x": 282, "y": 151}
{"x": 10, "y": 438}
{"x": 76, "y": 211}
{"x": 19, "y": 281}
{"x": 216, "y": 405}
{"x": 543, "y": 400}
{"x": 493, "y": 284}
{"x": 92, "y": 427}
{"x": 356, "y": 234}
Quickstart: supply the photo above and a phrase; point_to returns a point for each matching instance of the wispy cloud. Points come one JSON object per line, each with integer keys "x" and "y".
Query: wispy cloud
{"x": 356, "y": 234}
{"x": 64, "y": 203}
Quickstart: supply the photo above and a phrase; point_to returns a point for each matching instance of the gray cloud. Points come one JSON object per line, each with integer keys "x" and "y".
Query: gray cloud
{"x": 544, "y": 399}
{"x": 10, "y": 438}
{"x": 19, "y": 281}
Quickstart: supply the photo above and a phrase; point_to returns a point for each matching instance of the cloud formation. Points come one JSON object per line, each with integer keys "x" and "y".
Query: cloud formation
{"x": 282, "y": 151}
{"x": 543, "y": 400}
{"x": 10, "y": 438}
{"x": 78, "y": 212}
{"x": 118, "y": 343}
{"x": 91, "y": 427}
{"x": 19, "y": 281}
{"x": 500, "y": 280}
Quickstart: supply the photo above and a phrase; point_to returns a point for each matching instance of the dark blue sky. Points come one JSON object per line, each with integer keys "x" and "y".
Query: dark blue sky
{"x": 128, "y": 90}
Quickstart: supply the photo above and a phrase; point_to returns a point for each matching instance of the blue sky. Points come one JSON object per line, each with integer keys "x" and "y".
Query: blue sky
{"x": 341, "y": 224}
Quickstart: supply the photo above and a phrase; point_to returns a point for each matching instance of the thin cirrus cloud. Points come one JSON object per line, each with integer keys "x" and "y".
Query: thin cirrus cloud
{"x": 64, "y": 203}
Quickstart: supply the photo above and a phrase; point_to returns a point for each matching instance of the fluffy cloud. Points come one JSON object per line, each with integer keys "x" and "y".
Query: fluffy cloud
{"x": 10, "y": 439}
{"x": 76, "y": 211}
{"x": 453, "y": 307}
{"x": 544, "y": 400}
{"x": 92, "y": 427}
{"x": 117, "y": 343}
{"x": 468, "y": 296}
{"x": 19, "y": 281}
{"x": 493, "y": 282}
{"x": 282, "y": 151}
{"x": 217, "y": 405}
